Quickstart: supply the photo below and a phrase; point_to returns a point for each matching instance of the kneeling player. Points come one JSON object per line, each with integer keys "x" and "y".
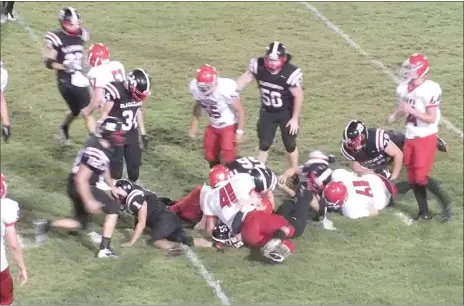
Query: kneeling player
{"x": 166, "y": 229}
{"x": 358, "y": 196}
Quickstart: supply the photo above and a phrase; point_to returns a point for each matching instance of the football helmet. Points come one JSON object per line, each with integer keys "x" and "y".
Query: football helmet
{"x": 139, "y": 84}
{"x": 70, "y": 21}
{"x": 206, "y": 79}
{"x": 317, "y": 175}
{"x": 218, "y": 174}
{"x": 415, "y": 67}
{"x": 125, "y": 185}
{"x": 335, "y": 194}
{"x": 98, "y": 54}
{"x": 110, "y": 129}
{"x": 355, "y": 135}
{"x": 3, "y": 186}
{"x": 276, "y": 57}
{"x": 265, "y": 179}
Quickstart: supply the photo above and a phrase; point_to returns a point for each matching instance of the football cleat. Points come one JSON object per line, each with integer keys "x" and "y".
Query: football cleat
{"x": 442, "y": 146}
{"x": 107, "y": 253}
{"x": 41, "y": 231}
{"x": 280, "y": 254}
{"x": 271, "y": 246}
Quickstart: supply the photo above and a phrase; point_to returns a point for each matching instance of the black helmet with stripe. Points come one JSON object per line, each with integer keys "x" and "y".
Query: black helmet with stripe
{"x": 276, "y": 57}
{"x": 125, "y": 185}
{"x": 70, "y": 21}
{"x": 265, "y": 179}
{"x": 355, "y": 135}
{"x": 110, "y": 128}
{"x": 139, "y": 84}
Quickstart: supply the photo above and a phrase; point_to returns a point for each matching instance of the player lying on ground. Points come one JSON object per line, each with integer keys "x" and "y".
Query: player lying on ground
{"x": 10, "y": 215}
{"x": 149, "y": 212}
{"x": 309, "y": 181}
{"x": 189, "y": 208}
{"x": 92, "y": 162}
{"x": 221, "y": 101}
{"x": 358, "y": 196}
{"x": 373, "y": 150}
{"x": 6, "y": 128}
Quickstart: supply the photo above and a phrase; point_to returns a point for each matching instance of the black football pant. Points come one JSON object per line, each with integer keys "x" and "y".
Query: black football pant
{"x": 168, "y": 226}
{"x": 297, "y": 211}
{"x": 7, "y": 7}
{"x": 76, "y": 97}
{"x": 131, "y": 153}
{"x": 267, "y": 127}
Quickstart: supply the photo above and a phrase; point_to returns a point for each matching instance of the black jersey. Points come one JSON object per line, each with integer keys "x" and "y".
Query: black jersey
{"x": 245, "y": 165}
{"x": 138, "y": 196}
{"x": 69, "y": 48}
{"x": 275, "y": 88}
{"x": 373, "y": 154}
{"x": 94, "y": 156}
{"x": 124, "y": 107}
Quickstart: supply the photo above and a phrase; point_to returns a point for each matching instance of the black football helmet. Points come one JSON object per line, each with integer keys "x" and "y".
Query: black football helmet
{"x": 265, "y": 179}
{"x": 221, "y": 233}
{"x": 355, "y": 135}
{"x": 70, "y": 21}
{"x": 139, "y": 84}
{"x": 276, "y": 57}
{"x": 110, "y": 129}
{"x": 317, "y": 175}
{"x": 125, "y": 185}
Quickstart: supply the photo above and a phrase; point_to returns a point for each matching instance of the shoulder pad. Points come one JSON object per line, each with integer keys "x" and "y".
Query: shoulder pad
{"x": 228, "y": 88}
{"x": 111, "y": 92}
{"x": 253, "y": 65}
{"x": 295, "y": 75}
{"x": 52, "y": 40}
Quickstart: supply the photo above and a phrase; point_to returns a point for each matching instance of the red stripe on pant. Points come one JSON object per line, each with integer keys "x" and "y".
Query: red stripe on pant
{"x": 189, "y": 206}
{"x": 6, "y": 287}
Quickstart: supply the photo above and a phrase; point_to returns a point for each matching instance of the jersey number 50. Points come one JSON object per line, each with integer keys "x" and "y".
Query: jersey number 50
{"x": 271, "y": 98}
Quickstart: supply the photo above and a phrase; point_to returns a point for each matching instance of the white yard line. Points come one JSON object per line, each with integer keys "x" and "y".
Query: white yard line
{"x": 404, "y": 218}
{"x": 376, "y": 63}
{"x": 208, "y": 277}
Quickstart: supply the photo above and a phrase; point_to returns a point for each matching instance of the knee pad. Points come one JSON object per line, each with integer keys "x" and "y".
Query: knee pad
{"x": 290, "y": 147}
{"x": 263, "y": 146}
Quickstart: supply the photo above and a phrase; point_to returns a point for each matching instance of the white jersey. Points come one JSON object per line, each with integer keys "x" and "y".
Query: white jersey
{"x": 4, "y": 79}
{"x": 10, "y": 214}
{"x": 222, "y": 201}
{"x": 365, "y": 193}
{"x": 218, "y": 104}
{"x": 424, "y": 96}
{"x": 103, "y": 74}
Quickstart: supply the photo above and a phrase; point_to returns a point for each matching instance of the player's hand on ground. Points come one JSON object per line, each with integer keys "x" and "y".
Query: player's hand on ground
{"x": 292, "y": 124}
{"x": 22, "y": 276}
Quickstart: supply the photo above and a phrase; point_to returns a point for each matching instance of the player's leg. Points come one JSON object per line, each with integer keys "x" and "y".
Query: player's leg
{"x": 298, "y": 211}
{"x": 266, "y": 129}
{"x": 67, "y": 93}
{"x": 228, "y": 144}
{"x": 6, "y": 287}
{"x": 110, "y": 207}
{"x": 212, "y": 146}
{"x": 188, "y": 207}
{"x": 291, "y": 150}
{"x": 117, "y": 163}
{"x": 9, "y": 10}
{"x": 83, "y": 98}
{"x": 162, "y": 227}
{"x": 133, "y": 155}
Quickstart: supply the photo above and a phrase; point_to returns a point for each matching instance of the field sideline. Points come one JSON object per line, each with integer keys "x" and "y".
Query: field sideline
{"x": 379, "y": 261}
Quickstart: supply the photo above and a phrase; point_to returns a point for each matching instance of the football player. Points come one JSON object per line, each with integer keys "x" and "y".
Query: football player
{"x": 10, "y": 215}
{"x": 281, "y": 87}
{"x": 221, "y": 101}
{"x": 371, "y": 150}
{"x": 358, "y": 196}
{"x": 124, "y": 100}
{"x": 7, "y": 13}
{"x": 309, "y": 182}
{"x": 92, "y": 162}
{"x": 149, "y": 212}
{"x": 64, "y": 53}
{"x": 6, "y": 128}
{"x": 420, "y": 100}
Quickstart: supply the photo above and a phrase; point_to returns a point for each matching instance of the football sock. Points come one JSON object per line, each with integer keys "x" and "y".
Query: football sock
{"x": 421, "y": 197}
{"x": 434, "y": 186}
{"x": 105, "y": 243}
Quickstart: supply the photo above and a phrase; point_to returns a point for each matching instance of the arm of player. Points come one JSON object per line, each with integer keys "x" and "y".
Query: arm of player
{"x": 81, "y": 180}
{"x": 392, "y": 150}
{"x": 52, "y": 42}
{"x": 141, "y": 222}
{"x": 244, "y": 80}
{"x": 141, "y": 123}
{"x": 210, "y": 223}
{"x": 106, "y": 109}
{"x": 98, "y": 97}
{"x": 430, "y": 115}
{"x": 287, "y": 190}
{"x": 359, "y": 169}
{"x": 13, "y": 243}
{"x": 4, "y": 110}
{"x": 298, "y": 95}
{"x": 238, "y": 107}
{"x": 289, "y": 173}
{"x": 196, "y": 113}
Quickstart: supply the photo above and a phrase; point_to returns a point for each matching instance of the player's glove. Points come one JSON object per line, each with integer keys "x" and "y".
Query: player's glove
{"x": 280, "y": 254}
{"x": 271, "y": 246}
{"x": 6, "y": 132}
{"x": 145, "y": 142}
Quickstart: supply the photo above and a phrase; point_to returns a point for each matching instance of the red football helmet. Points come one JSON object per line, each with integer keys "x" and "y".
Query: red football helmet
{"x": 335, "y": 194}
{"x": 98, "y": 54}
{"x": 415, "y": 67}
{"x": 217, "y": 174}
{"x": 207, "y": 79}
{"x": 3, "y": 185}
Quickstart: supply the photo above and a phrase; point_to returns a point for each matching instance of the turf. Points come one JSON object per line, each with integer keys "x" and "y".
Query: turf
{"x": 376, "y": 261}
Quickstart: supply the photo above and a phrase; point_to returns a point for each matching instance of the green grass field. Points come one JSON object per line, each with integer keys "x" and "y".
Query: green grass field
{"x": 377, "y": 261}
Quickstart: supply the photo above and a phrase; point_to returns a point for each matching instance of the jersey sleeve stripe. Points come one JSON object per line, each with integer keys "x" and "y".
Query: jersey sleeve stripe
{"x": 133, "y": 194}
{"x": 379, "y": 135}
{"x": 345, "y": 154}
{"x": 56, "y": 41}
{"x": 113, "y": 91}
{"x": 294, "y": 78}
{"x": 253, "y": 66}
{"x": 96, "y": 153}
{"x": 10, "y": 224}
